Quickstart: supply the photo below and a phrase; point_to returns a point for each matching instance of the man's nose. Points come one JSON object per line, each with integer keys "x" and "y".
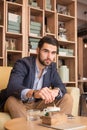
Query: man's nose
{"x": 49, "y": 55}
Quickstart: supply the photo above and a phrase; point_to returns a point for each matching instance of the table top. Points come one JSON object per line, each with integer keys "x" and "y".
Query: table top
{"x": 23, "y": 124}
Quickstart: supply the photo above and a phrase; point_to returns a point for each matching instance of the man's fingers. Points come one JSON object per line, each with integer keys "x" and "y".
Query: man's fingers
{"x": 46, "y": 95}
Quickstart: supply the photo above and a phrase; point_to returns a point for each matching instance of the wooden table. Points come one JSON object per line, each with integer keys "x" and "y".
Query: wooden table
{"x": 23, "y": 124}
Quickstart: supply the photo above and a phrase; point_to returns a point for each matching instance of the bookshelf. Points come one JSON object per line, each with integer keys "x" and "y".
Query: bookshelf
{"x": 12, "y": 31}
{"x": 59, "y": 20}
{"x": 33, "y": 20}
{"x": 1, "y": 31}
{"x": 67, "y": 36}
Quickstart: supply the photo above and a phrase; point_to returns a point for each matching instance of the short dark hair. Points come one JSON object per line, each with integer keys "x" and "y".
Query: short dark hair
{"x": 48, "y": 39}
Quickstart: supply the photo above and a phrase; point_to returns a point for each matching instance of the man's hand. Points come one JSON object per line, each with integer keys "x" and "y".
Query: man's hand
{"x": 29, "y": 93}
{"x": 47, "y": 94}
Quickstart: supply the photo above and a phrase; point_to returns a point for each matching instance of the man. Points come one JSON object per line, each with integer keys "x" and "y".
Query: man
{"x": 35, "y": 84}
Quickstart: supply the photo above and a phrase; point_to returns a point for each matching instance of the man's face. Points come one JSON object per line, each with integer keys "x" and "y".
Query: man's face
{"x": 47, "y": 54}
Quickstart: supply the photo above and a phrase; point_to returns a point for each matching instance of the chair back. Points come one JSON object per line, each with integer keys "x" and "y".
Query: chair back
{"x": 4, "y": 76}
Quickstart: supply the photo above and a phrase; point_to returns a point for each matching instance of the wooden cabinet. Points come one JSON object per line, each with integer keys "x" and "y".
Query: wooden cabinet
{"x": 41, "y": 21}
{"x": 1, "y": 31}
{"x": 12, "y": 30}
{"x": 50, "y": 18}
{"x": 35, "y": 24}
{"x": 67, "y": 36}
{"x": 34, "y": 19}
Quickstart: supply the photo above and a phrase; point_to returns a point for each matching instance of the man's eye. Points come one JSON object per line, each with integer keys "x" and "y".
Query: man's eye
{"x": 54, "y": 53}
{"x": 45, "y": 50}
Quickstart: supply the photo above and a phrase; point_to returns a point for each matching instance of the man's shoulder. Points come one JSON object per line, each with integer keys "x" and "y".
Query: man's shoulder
{"x": 28, "y": 59}
{"x": 25, "y": 62}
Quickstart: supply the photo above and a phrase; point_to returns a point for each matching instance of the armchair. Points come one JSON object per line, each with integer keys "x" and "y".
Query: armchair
{"x": 4, "y": 77}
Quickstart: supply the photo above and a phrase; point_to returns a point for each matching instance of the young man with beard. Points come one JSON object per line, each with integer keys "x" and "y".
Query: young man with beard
{"x": 31, "y": 79}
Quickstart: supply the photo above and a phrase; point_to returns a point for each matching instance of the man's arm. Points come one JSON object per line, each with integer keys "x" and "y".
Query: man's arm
{"x": 15, "y": 84}
{"x": 47, "y": 94}
{"x": 56, "y": 82}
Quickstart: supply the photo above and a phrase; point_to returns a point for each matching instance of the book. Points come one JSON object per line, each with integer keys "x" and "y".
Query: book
{"x": 35, "y": 27}
{"x": 14, "y": 23}
{"x": 12, "y": 27}
{"x": 35, "y": 32}
{"x": 33, "y": 40}
{"x": 34, "y": 23}
{"x": 14, "y": 17}
{"x": 13, "y": 31}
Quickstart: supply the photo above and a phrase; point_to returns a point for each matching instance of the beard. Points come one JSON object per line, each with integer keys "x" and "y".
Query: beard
{"x": 45, "y": 62}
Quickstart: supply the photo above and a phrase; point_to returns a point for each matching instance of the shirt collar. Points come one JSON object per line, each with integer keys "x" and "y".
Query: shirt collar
{"x": 37, "y": 70}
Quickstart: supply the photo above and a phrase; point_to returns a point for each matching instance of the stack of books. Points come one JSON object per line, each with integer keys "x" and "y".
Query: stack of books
{"x": 33, "y": 43}
{"x": 48, "y": 4}
{"x": 35, "y": 28}
{"x": 66, "y": 52}
{"x": 14, "y": 22}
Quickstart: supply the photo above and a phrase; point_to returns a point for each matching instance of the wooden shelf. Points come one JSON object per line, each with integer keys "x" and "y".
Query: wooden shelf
{"x": 65, "y": 2}
{"x": 50, "y": 20}
{"x": 1, "y": 26}
{"x": 15, "y": 2}
{"x": 62, "y": 42}
{"x": 1, "y": 58}
{"x": 14, "y": 35}
{"x": 13, "y": 51}
{"x": 16, "y": 45}
{"x": 65, "y": 18}
{"x": 82, "y": 81}
{"x": 66, "y": 57}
